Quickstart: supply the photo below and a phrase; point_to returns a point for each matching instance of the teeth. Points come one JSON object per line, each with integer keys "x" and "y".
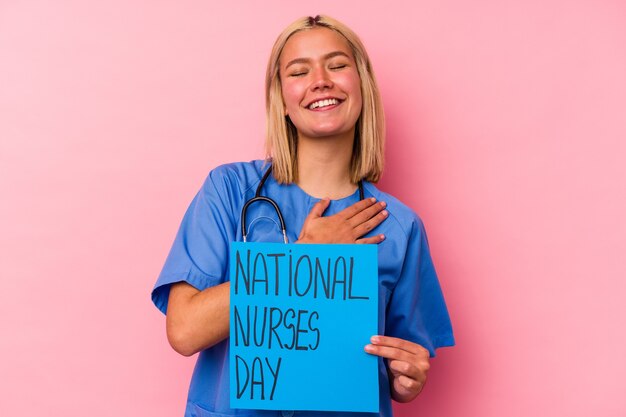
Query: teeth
{"x": 323, "y": 103}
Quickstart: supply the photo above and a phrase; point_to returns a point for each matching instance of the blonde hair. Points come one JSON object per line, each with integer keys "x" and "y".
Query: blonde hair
{"x": 281, "y": 140}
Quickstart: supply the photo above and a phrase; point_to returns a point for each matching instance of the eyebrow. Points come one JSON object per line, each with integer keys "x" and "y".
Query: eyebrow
{"x": 307, "y": 60}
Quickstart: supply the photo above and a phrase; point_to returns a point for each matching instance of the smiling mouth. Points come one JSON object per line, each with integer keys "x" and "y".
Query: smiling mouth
{"x": 323, "y": 103}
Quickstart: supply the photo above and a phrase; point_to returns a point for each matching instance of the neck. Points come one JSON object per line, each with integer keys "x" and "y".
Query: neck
{"x": 324, "y": 166}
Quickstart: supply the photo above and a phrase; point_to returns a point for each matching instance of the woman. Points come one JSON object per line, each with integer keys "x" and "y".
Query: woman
{"x": 325, "y": 132}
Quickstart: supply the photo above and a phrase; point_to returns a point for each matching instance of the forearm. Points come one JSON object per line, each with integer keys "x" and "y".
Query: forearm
{"x": 197, "y": 320}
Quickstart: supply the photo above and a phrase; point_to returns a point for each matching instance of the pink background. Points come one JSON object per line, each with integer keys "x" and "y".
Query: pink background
{"x": 507, "y": 122}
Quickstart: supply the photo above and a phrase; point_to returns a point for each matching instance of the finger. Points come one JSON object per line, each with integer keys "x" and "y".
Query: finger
{"x": 371, "y": 224}
{"x": 371, "y": 240}
{"x": 390, "y": 353}
{"x": 356, "y": 208}
{"x": 410, "y": 384}
{"x": 404, "y": 368}
{"x": 367, "y": 213}
{"x": 319, "y": 208}
{"x": 399, "y": 343}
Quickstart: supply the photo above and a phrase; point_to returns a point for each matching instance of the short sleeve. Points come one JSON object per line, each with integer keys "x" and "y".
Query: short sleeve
{"x": 199, "y": 254}
{"x": 417, "y": 310}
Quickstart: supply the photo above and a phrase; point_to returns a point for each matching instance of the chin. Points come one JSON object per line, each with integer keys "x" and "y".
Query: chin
{"x": 325, "y": 133}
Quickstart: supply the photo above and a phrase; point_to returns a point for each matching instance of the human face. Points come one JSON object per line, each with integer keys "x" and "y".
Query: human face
{"x": 321, "y": 86}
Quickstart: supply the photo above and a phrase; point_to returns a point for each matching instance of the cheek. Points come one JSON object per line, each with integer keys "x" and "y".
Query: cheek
{"x": 357, "y": 99}
{"x": 291, "y": 97}
{"x": 351, "y": 83}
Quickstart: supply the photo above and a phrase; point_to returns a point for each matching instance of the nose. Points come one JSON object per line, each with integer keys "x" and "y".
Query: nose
{"x": 321, "y": 80}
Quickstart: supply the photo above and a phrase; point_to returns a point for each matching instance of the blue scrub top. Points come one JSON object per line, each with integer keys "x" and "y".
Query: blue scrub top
{"x": 411, "y": 303}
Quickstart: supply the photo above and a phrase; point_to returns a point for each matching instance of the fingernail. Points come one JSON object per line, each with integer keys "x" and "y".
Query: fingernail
{"x": 369, "y": 348}
{"x": 373, "y": 199}
{"x": 382, "y": 203}
{"x": 382, "y": 237}
{"x": 375, "y": 339}
{"x": 385, "y": 212}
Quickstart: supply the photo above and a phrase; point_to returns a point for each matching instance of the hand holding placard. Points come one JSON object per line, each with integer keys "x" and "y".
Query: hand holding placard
{"x": 408, "y": 364}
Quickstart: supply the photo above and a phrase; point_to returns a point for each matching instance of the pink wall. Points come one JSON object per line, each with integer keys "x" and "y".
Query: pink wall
{"x": 507, "y": 123}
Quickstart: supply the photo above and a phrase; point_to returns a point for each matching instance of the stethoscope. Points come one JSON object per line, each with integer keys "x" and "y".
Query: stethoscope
{"x": 259, "y": 197}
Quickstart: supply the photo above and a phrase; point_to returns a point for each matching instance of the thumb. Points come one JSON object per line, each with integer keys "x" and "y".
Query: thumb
{"x": 319, "y": 208}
